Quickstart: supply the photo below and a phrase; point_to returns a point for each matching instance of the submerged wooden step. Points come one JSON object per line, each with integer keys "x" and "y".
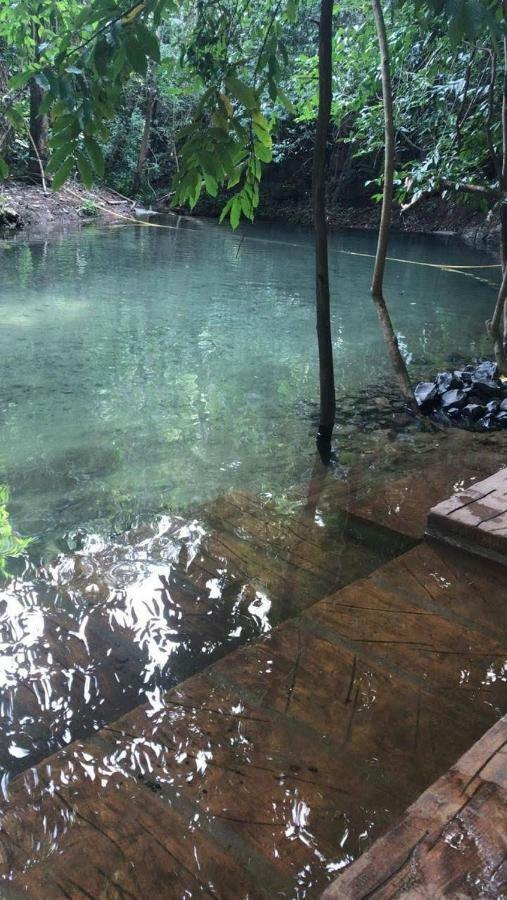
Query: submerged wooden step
{"x": 475, "y": 519}
{"x": 452, "y": 842}
{"x": 92, "y": 633}
{"x": 277, "y": 766}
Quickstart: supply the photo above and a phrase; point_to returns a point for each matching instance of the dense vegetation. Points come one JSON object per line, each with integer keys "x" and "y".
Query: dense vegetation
{"x": 162, "y": 97}
{"x": 252, "y": 69}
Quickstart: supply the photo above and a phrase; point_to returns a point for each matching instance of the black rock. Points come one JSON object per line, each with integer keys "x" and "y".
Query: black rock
{"x": 487, "y": 422}
{"x": 482, "y": 389}
{"x": 486, "y": 370}
{"x": 463, "y": 376}
{"x": 445, "y": 381}
{"x": 501, "y": 419}
{"x": 473, "y": 411}
{"x": 454, "y": 413}
{"x": 493, "y": 406}
{"x": 454, "y": 398}
{"x": 425, "y": 392}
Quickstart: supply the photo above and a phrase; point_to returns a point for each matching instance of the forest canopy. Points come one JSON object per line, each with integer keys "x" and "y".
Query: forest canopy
{"x": 198, "y": 98}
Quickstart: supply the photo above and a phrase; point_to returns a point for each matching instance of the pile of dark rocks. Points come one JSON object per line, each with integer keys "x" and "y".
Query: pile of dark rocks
{"x": 471, "y": 397}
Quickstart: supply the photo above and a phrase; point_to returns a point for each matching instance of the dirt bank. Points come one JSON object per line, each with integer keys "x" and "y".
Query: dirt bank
{"x": 32, "y": 210}
{"x": 25, "y": 206}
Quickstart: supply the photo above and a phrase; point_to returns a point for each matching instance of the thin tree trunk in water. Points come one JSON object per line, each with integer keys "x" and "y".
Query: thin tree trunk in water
{"x": 326, "y": 370}
{"x": 151, "y": 83}
{"x": 385, "y": 219}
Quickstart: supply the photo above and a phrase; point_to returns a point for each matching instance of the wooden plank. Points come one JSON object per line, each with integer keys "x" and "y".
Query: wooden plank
{"x": 452, "y": 842}
{"x": 402, "y": 506}
{"x": 476, "y": 521}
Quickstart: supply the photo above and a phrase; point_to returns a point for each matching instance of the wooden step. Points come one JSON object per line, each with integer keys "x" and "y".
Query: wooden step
{"x": 475, "y": 519}
{"x": 450, "y": 843}
{"x": 278, "y": 765}
{"x": 98, "y": 629}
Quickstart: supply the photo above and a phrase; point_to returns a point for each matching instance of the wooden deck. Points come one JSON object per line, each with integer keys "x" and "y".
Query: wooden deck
{"x": 279, "y": 764}
{"x": 475, "y": 518}
{"x": 452, "y": 842}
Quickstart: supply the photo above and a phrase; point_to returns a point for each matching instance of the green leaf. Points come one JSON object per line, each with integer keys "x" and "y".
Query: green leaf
{"x": 42, "y": 81}
{"x": 211, "y": 184}
{"x": 242, "y": 92}
{"x": 263, "y": 153}
{"x": 135, "y": 54}
{"x": 67, "y": 134}
{"x": 148, "y": 41}
{"x": 286, "y": 103}
{"x": 225, "y": 210}
{"x": 102, "y": 56}
{"x": 95, "y": 154}
{"x": 59, "y": 157}
{"x": 15, "y": 118}
{"x": 4, "y": 169}
{"x": 62, "y": 174}
{"x": 85, "y": 169}
{"x": 19, "y": 80}
{"x": 261, "y": 135}
{"x": 235, "y": 212}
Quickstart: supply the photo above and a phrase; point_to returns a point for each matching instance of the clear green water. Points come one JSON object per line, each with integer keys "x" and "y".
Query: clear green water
{"x": 145, "y": 370}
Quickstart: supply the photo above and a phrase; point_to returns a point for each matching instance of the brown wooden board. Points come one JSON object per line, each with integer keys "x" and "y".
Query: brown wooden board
{"x": 451, "y": 843}
{"x": 475, "y": 519}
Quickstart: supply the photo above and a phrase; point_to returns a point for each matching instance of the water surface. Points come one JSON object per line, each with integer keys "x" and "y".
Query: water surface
{"x": 147, "y": 369}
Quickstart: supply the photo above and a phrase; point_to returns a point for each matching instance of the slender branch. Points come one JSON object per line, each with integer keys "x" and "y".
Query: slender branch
{"x": 385, "y": 218}
{"x": 103, "y": 28}
{"x": 489, "y": 119}
{"x": 39, "y": 162}
{"x": 461, "y": 116}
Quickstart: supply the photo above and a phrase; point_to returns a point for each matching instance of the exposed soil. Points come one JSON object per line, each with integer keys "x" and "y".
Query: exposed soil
{"x": 30, "y": 209}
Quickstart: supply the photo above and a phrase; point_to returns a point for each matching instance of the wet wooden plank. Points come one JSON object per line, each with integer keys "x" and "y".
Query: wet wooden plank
{"x": 402, "y": 505}
{"x": 452, "y": 842}
{"x": 475, "y": 520}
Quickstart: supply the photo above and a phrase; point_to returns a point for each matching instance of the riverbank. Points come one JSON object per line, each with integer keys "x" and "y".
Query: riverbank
{"x": 29, "y": 208}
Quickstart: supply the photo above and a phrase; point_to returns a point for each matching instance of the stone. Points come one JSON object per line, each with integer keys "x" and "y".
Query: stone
{"x": 445, "y": 381}
{"x": 454, "y": 398}
{"x": 463, "y": 376}
{"x": 493, "y": 406}
{"x": 487, "y": 422}
{"x": 454, "y": 413}
{"x": 503, "y": 405}
{"x": 485, "y": 390}
{"x": 473, "y": 411}
{"x": 486, "y": 370}
{"x": 425, "y": 392}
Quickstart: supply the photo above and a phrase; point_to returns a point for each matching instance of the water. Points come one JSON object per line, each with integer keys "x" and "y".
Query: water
{"x": 157, "y": 402}
{"x": 144, "y": 370}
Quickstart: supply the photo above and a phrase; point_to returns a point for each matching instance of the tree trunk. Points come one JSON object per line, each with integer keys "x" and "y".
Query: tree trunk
{"x": 326, "y": 370}
{"x": 497, "y": 327}
{"x": 385, "y": 219}
{"x": 151, "y": 86}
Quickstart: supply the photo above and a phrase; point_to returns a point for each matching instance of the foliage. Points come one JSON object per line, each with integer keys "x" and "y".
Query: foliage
{"x": 11, "y": 545}
{"x": 226, "y": 90}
